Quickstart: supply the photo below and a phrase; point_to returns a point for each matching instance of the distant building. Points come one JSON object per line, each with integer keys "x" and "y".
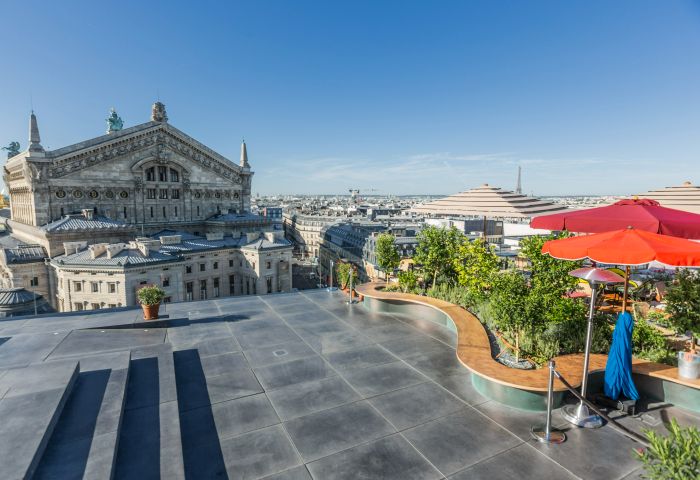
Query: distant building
{"x": 83, "y": 206}
{"x": 490, "y": 202}
{"x": 186, "y": 266}
{"x": 682, "y": 197}
{"x": 305, "y": 232}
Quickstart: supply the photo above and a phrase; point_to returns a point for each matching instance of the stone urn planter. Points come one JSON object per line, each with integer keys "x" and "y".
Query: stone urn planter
{"x": 150, "y": 297}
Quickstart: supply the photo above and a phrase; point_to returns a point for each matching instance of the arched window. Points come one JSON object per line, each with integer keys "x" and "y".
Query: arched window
{"x": 174, "y": 175}
{"x": 151, "y": 174}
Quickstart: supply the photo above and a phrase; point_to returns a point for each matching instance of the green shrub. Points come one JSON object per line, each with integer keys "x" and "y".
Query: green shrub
{"x": 672, "y": 457}
{"x": 683, "y": 302}
{"x": 650, "y": 344}
{"x": 408, "y": 281}
{"x": 342, "y": 273}
{"x": 150, "y": 295}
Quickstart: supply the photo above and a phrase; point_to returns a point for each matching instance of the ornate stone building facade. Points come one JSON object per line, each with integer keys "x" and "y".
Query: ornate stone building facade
{"x": 132, "y": 181}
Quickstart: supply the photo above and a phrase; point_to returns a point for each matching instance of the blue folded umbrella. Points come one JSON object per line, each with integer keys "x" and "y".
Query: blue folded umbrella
{"x": 618, "y": 370}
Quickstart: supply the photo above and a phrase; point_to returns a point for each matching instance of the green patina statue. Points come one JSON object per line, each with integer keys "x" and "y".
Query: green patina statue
{"x": 12, "y": 149}
{"x": 114, "y": 122}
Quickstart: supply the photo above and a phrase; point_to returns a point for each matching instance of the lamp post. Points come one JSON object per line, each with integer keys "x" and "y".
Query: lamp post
{"x": 579, "y": 414}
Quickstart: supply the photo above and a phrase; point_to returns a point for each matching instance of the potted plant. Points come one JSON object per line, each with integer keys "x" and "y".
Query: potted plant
{"x": 683, "y": 306}
{"x": 150, "y": 297}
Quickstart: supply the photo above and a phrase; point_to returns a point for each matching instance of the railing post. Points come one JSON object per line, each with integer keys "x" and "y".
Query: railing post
{"x": 546, "y": 434}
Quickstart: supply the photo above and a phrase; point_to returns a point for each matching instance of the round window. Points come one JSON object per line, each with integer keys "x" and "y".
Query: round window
{"x": 217, "y": 195}
{"x": 77, "y": 193}
{"x": 235, "y": 195}
{"x": 94, "y": 194}
{"x": 197, "y": 195}
{"x": 61, "y": 193}
{"x": 109, "y": 194}
{"x": 124, "y": 194}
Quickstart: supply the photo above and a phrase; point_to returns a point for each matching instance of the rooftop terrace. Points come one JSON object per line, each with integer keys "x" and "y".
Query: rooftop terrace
{"x": 288, "y": 386}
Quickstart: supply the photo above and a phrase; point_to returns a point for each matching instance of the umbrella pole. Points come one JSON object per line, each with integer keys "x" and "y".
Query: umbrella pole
{"x": 627, "y": 285}
{"x": 579, "y": 414}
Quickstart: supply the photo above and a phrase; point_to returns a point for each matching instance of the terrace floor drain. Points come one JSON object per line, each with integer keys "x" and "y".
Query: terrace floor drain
{"x": 279, "y": 353}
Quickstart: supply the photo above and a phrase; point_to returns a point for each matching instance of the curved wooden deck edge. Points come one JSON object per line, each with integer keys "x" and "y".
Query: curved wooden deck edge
{"x": 474, "y": 350}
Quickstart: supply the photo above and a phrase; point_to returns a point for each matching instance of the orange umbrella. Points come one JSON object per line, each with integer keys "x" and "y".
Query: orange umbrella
{"x": 626, "y": 247}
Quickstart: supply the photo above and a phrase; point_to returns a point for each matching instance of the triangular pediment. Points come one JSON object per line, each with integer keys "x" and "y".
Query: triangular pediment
{"x": 156, "y": 138}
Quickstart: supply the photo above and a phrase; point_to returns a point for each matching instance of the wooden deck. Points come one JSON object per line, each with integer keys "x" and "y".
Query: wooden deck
{"x": 474, "y": 350}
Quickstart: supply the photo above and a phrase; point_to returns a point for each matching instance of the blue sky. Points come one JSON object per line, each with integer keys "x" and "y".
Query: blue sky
{"x": 404, "y": 97}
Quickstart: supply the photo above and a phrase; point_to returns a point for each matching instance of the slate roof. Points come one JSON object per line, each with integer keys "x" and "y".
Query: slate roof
{"x": 24, "y": 253}
{"x": 78, "y": 222}
{"x": 127, "y": 257}
{"x": 15, "y": 296}
{"x": 264, "y": 244}
{"x": 238, "y": 218}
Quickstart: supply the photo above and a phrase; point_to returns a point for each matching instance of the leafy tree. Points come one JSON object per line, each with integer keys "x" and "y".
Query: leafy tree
{"x": 436, "y": 250}
{"x": 388, "y": 257}
{"x": 476, "y": 266}
{"x": 510, "y": 306}
{"x": 683, "y": 303}
{"x": 549, "y": 274}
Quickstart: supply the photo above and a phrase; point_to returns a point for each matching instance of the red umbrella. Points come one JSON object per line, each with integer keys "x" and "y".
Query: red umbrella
{"x": 639, "y": 213}
{"x": 626, "y": 247}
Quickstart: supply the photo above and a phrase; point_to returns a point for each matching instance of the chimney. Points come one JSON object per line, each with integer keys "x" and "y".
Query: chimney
{"x": 88, "y": 213}
{"x": 97, "y": 249}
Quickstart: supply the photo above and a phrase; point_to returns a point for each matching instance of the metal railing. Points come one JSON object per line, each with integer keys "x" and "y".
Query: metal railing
{"x": 547, "y": 434}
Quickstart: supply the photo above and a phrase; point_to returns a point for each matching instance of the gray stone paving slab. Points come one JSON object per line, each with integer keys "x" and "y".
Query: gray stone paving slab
{"x": 334, "y": 342}
{"x": 278, "y": 353}
{"x": 215, "y": 365}
{"x": 295, "y": 371}
{"x": 308, "y": 317}
{"x": 461, "y": 385}
{"x": 28, "y": 420}
{"x": 404, "y": 347}
{"x": 39, "y": 377}
{"x": 361, "y": 357}
{"x": 220, "y": 388}
{"x": 417, "y": 404}
{"x": 390, "y": 458}
{"x": 459, "y": 440}
{"x": 436, "y": 365}
{"x": 613, "y": 453}
{"x": 21, "y": 350}
{"x": 329, "y": 431}
{"x": 382, "y": 378}
{"x": 522, "y": 461}
{"x": 217, "y": 346}
{"x": 385, "y": 333}
{"x": 258, "y": 454}
{"x": 305, "y": 398}
{"x": 230, "y": 418}
{"x": 91, "y": 342}
{"x": 266, "y": 336}
{"x": 297, "y": 473}
{"x": 252, "y": 326}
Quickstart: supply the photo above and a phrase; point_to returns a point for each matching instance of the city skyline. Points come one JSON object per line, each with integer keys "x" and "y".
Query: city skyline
{"x": 402, "y": 99}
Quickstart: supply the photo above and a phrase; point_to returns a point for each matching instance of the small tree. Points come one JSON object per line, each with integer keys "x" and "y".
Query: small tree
{"x": 510, "y": 306}
{"x": 408, "y": 281}
{"x": 343, "y": 271}
{"x": 683, "y": 303}
{"x": 476, "y": 267}
{"x": 436, "y": 249}
{"x": 388, "y": 257}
